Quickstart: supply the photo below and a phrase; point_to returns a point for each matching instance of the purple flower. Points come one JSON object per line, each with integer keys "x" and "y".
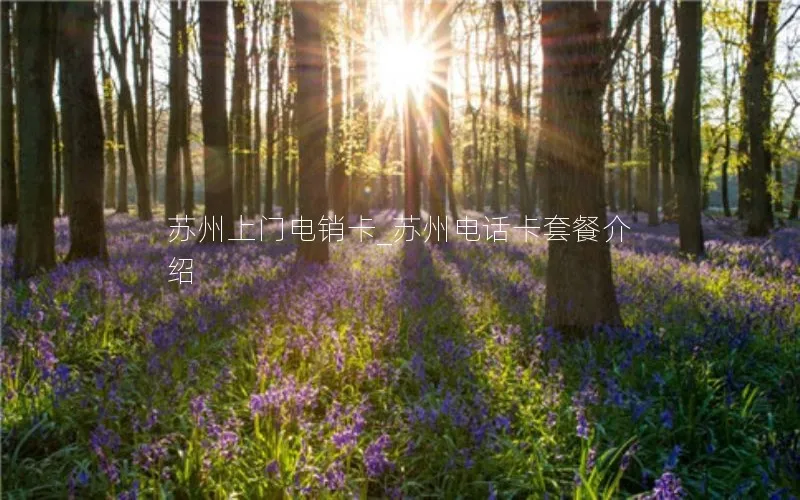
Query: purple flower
{"x": 375, "y": 457}
{"x": 582, "y": 428}
{"x": 666, "y": 419}
{"x": 273, "y": 469}
{"x": 668, "y": 487}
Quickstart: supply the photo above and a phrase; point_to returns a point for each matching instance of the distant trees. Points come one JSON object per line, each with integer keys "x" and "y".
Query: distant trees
{"x": 312, "y": 124}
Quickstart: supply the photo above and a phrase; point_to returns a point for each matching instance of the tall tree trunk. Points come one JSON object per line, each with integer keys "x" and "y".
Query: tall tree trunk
{"x": 579, "y": 287}
{"x": 758, "y": 222}
{"x": 188, "y": 173}
{"x": 272, "y": 107}
{"x": 216, "y": 154}
{"x": 9, "y": 179}
{"x": 255, "y": 155}
{"x": 84, "y": 144}
{"x": 611, "y": 170}
{"x": 57, "y": 157}
{"x": 108, "y": 119}
{"x": 496, "y": 130}
{"x": 687, "y": 176}
{"x": 126, "y": 106}
{"x": 239, "y": 84}
{"x": 726, "y": 124}
{"x": 410, "y": 140}
{"x": 312, "y": 124}
{"x": 177, "y": 111}
{"x": 441, "y": 150}
{"x": 656, "y": 105}
{"x": 153, "y": 146}
{"x": 35, "y": 248}
{"x": 340, "y": 193}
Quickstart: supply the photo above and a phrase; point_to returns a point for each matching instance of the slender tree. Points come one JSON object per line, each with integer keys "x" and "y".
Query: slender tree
{"x": 656, "y": 105}
{"x": 273, "y": 84}
{"x": 441, "y": 150}
{"x": 413, "y": 196}
{"x": 35, "y": 248}
{"x": 312, "y": 124}
{"x": 239, "y": 85}
{"x": 9, "y": 179}
{"x": 177, "y": 111}
{"x": 216, "y": 155}
{"x": 340, "y": 192}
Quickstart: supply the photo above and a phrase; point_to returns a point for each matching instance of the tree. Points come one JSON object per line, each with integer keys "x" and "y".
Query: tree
{"x": 9, "y": 180}
{"x": 578, "y": 53}
{"x": 656, "y": 105}
{"x": 35, "y": 229}
{"x": 758, "y": 118}
{"x": 410, "y": 140}
{"x": 216, "y": 155}
{"x": 312, "y": 124}
{"x": 108, "y": 119}
{"x": 138, "y": 156}
{"x": 239, "y": 85}
{"x": 441, "y": 150}
{"x": 272, "y": 105}
{"x": 340, "y": 192}
{"x": 84, "y": 144}
{"x": 177, "y": 110}
{"x": 687, "y": 175}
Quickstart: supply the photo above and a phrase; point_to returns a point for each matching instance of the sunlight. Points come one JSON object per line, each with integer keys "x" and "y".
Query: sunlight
{"x": 401, "y": 66}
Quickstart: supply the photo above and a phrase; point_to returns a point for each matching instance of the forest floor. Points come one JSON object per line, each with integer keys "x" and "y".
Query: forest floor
{"x": 400, "y": 371}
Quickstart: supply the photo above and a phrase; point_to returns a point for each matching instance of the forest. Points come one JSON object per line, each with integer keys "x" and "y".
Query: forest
{"x": 400, "y": 249}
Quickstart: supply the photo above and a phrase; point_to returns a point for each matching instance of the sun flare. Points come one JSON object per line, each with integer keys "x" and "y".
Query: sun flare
{"x": 402, "y": 66}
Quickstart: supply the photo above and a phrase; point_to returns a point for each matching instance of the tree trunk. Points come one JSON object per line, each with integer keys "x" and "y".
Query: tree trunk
{"x": 188, "y": 173}
{"x": 656, "y": 105}
{"x": 35, "y": 248}
{"x": 9, "y": 179}
{"x": 84, "y": 144}
{"x": 687, "y": 176}
{"x": 579, "y": 287}
{"x": 339, "y": 182}
{"x": 216, "y": 155}
{"x": 239, "y": 84}
{"x": 441, "y": 150}
{"x": 758, "y": 223}
{"x": 255, "y": 53}
{"x": 108, "y": 119}
{"x": 177, "y": 111}
{"x": 312, "y": 124}
{"x": 57, "y": 157}
{"x": 272, "y": 107}
{"x": 410, "y": 140}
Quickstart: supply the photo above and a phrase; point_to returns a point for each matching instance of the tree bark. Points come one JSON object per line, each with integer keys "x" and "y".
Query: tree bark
{"x": 84, "y": 144}
{"x": 272, "y": 107}
{"x": 216, "y": 155}
{"x": 312, "y": 124}
{"x": 35, "y": 247}
{"x": 687, "y": 176}
{"x": 340, "y": 192}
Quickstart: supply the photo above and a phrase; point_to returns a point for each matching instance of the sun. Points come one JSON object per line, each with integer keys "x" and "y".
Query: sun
{"x": 402, "y": 66}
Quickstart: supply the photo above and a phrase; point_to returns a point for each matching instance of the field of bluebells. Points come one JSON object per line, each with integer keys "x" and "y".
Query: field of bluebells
{"x": 400, "y": 371}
